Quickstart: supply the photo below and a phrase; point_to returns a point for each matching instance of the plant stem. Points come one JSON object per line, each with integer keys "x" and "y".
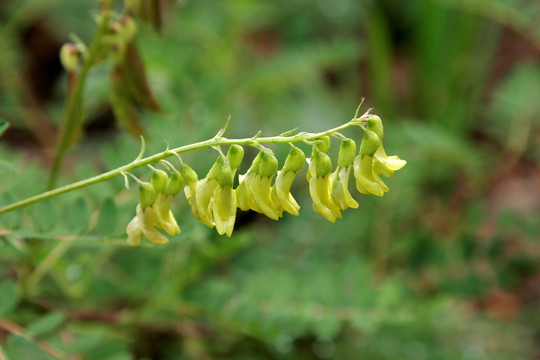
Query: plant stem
{"x": 72, "y": 120}
{"x": 216, "y": 141}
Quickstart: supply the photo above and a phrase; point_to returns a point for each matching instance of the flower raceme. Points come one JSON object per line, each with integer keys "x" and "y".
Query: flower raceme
{"x": 214, "y": 199}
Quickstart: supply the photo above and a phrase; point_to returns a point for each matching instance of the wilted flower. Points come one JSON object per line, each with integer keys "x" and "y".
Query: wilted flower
{"x": 320, "y": 168}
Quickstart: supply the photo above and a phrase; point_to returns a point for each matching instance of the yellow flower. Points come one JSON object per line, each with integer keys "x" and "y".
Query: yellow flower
{"x": 203, "y": 194}
{"x": 144, "y": 224}
{"x": 367, "y": 181}
{"x": 281, "y": 190}
{"x": 320, "y": 167}
{"x": 339, "y": 181}
{"x": 386, "y": 165}
{"x": 224, "y": 210}
{"x": 255, "y": 191}
{"x": 190, "y": 177}
{"x": 165, "y": 217}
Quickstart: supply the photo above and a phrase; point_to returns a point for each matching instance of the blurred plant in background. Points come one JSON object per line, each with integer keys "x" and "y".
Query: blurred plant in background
{"x": 445, "y": 266}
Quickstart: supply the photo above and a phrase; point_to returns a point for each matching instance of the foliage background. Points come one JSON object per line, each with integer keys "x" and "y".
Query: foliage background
{"x": 445, "y": 266}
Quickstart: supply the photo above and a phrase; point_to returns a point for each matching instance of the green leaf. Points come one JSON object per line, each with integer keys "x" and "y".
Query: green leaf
{"x": 107, "y": 218}
{"x": 21, "y": 348}
{"x": 3, "y": 126}
{"x": 8, "y": 297}
{"x": 10, "y": 220}
{"x": 6, "y": 166}
{"x": 77, "y": 216}
{"x": 44, "y": 215}
{"x": 46, "y": 324}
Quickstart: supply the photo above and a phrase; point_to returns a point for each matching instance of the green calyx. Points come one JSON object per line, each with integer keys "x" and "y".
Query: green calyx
{"x": 235, "y": 156}
{"x": 225, "y": 175}
{"x": 175, "y": 184}
{"x": 322, "y": 162}
{"x": 370, "y": 143}
{"x": 147, "y": 195}
{"x": 295, "y": 160}
{"x": 159, "y": 180}
{"x": 188, "y": 174}
{"x": 213, "y": 173}
{"x": 374, "y": 123}
{"x": 323, "y": 143}
{"x": 269, "y": 164}
{"x": 347, "y": 152}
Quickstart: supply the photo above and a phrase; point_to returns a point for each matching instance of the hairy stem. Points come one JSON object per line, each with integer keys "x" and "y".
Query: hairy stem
{"x": 216, "y": 141}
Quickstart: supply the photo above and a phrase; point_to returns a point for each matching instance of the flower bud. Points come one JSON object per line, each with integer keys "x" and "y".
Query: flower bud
{"x": 269, "y": 164}
{"x": 294, "y": 161}
{"x": 370, "y": 143}
{"x": 69, "y": 57}
{"x": 213, "y": 173}
{"x": 323, "y": 143}
{"x": 347, "y": 152}
{"x": 188, "y": 174}
{"x": 175, "y": 184}
{"x": 147, "y": 195}
{"x": 159, "y": 180}
{"x": 321, "y": 162}
{"x": 235, "y": 156}
{"x": 374, "y": 123}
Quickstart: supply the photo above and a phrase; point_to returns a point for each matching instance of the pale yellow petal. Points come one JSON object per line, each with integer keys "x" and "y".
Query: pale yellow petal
{"x": 319, "y": 188}
{"x": 283, "y": 191}
{"x": 203, "y": 194}
{"x": 224, "y": 210}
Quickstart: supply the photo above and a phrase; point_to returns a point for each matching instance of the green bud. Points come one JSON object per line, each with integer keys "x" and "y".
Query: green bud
{"x": 69, "y": 57}
{"x": 188, "y": 174}
{"x": 323, "y": 143}
{"x": 370, "y": 143}
{"x": 256, "y": 164}
{"x": 294, "y": 161}
{"x": 347, "y": 153}
{"x": 147, "y": 195}
{"x": 269, "y": 164}
{"x": 225, "y": 176}
{"x": 175, "y": 184}
{"x": 213, "y": 173}
{"x": 235, "y": 156}
{"x": 322, "y": 162}
{"x": 374, "y": 123}
{"x": 159, "y": 180}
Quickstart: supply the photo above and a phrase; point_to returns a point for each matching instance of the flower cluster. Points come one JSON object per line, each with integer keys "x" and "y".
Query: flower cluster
{"x": 214, "y": 199}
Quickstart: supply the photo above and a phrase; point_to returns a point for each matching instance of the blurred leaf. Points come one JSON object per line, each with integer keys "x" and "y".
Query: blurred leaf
{"x": 7, "y": 167}
{"x": 8, "y": 297}
{"x": 46, "y": 324}
{"x": 20, "y": 348}
{"x": 124, "y": 111}
{"x": 3, "y": 126}
{"x": 44, "y": 215}
{"x": 77, "y": 216}
{"x": 108, "y": 218}
{"x": 10, "y": 220}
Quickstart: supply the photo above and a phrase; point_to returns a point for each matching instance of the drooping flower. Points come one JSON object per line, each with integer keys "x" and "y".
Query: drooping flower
{"x": 145, "y": 221}
{"x": 367, "y": 180}
{"x": 205, "y": 191}
{"x": 320, "y": 168}
{"x": 254, "y": 191}
{"x": 162, "y": 205}
{"x": 339, "y": 179}
{"x": 281, "y": 190}
{"x": 191, "y": 179}
{"x": 224, "y": 201}
{"x": 383, "y": 164}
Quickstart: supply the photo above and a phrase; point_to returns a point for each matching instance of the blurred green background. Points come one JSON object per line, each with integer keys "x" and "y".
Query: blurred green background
{"x": 445, "y": 266}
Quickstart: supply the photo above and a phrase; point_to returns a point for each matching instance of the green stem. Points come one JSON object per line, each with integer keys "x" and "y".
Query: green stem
{"x": 72, "y": 122}
{"x": 216, "y": 141}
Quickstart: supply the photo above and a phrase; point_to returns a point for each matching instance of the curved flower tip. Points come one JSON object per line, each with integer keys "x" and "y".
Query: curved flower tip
{"x": 165, "y": 217}
{"x": 281, "y": 193}
{"x": 224, "y": 210}
{"x": 319, "y": 188}
{"x": 243, "y": 197}
{"x": 203, "y": 194}
{"x": 367, "y": 180}
{"x": 386, "y": 165}
{"x": 339, "y": 183}
{"x": 143, "y": 224}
